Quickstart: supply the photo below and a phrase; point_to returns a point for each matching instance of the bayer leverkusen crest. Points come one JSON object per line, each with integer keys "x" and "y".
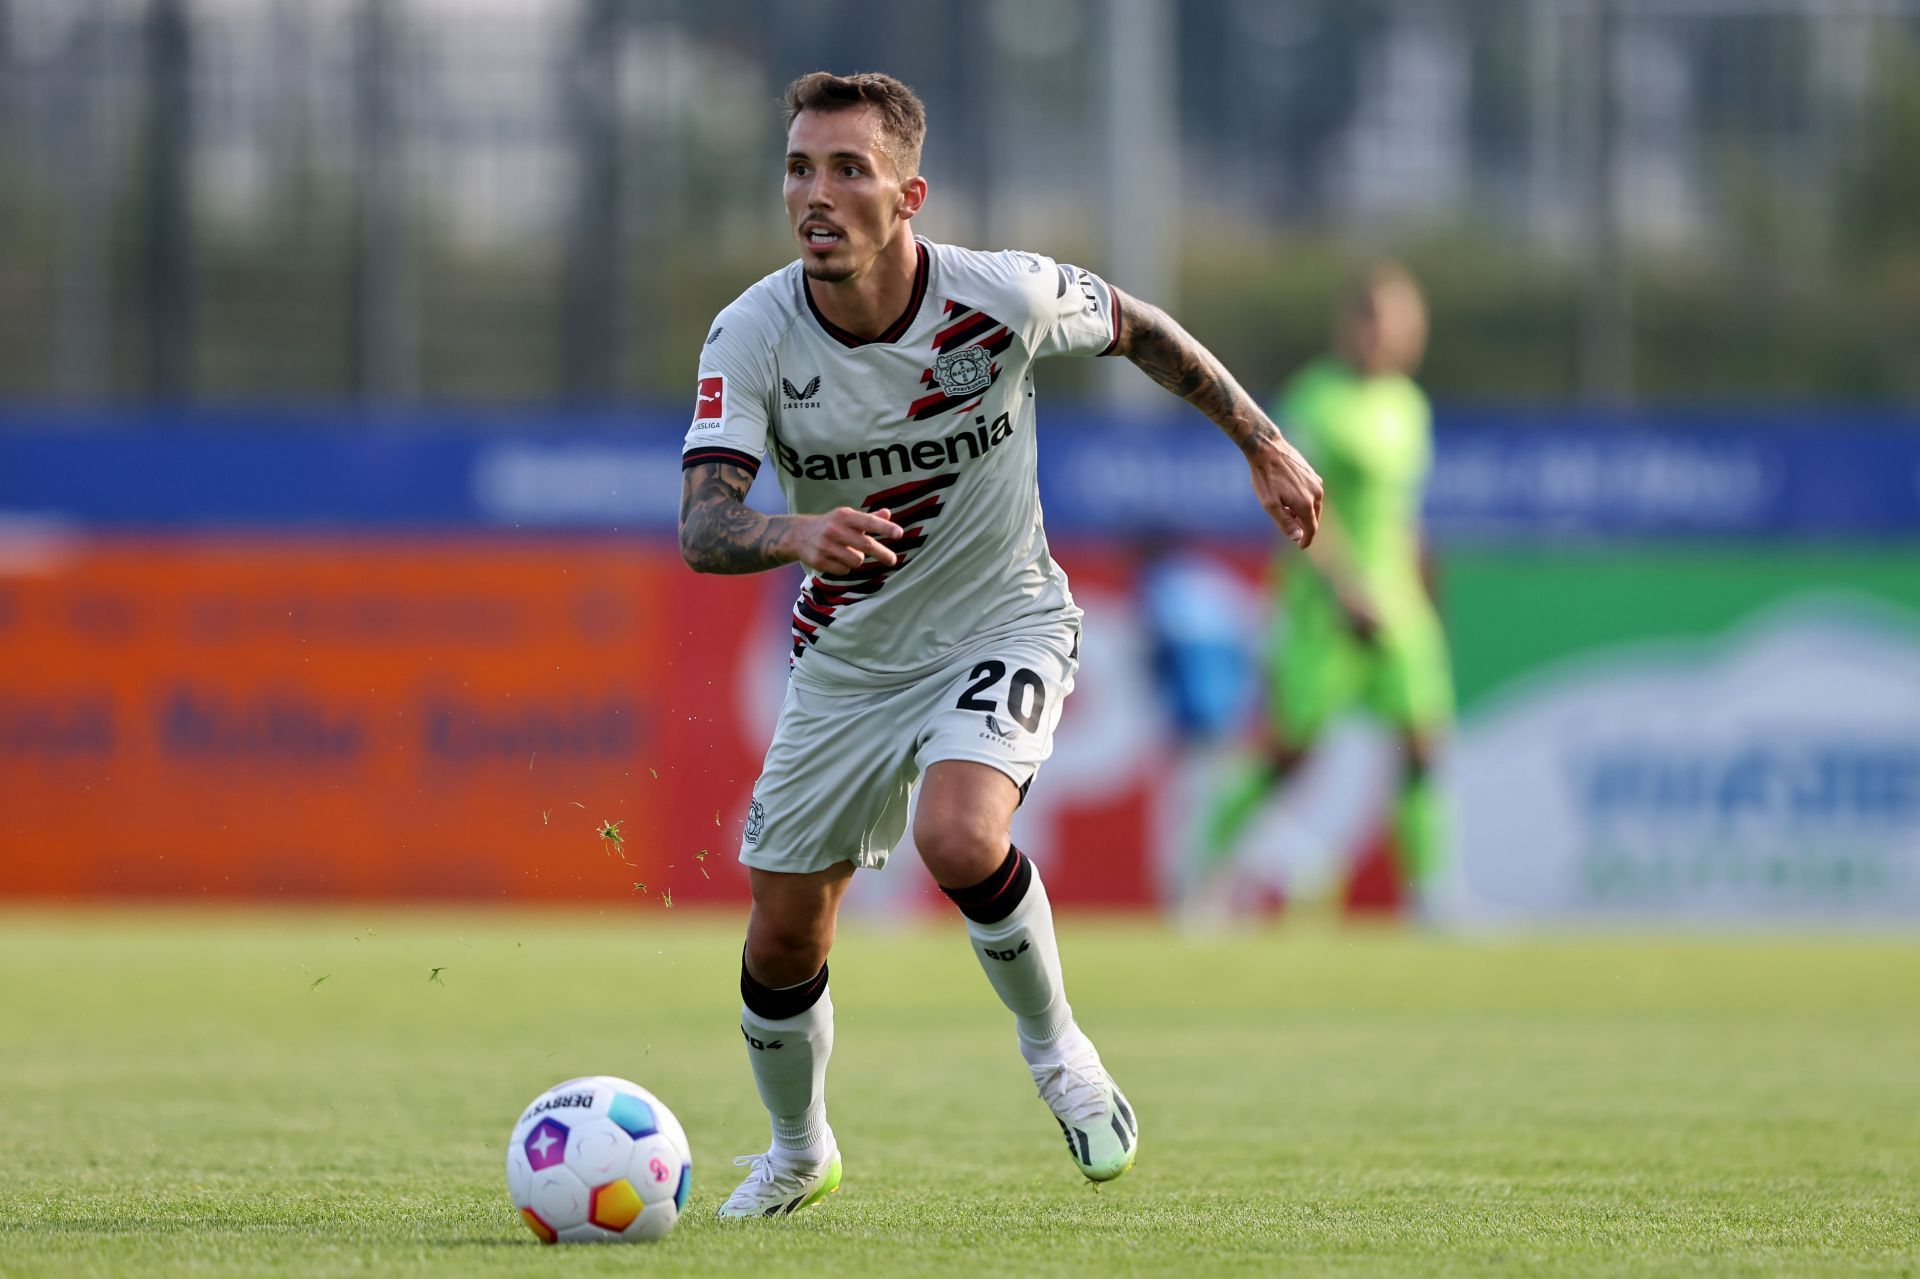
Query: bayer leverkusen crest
{"x": 964, "y": 371}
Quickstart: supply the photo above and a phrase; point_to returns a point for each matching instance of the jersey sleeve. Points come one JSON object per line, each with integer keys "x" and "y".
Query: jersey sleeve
{"x": 1076, "y": 312}
{"x": 1423, "y": 413}
{"x": 732, "y": 397}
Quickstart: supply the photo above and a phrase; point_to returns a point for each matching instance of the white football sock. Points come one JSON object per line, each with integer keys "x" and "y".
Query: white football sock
{"x": 790, "y": 1069}
{"x": 1022, "y": 960}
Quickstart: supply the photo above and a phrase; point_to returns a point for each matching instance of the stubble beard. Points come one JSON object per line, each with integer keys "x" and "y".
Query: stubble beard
{"x": 828, "y": 274}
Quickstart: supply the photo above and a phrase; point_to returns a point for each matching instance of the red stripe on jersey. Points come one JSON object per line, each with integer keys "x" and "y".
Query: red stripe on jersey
{"x": 912, "y": 540}
{"x": 954, "y": 334}
{"x": 910, "y": 490}
{"x": 939, "y": 402}
{"x": 925, "y": 402}
{"x": 865, "y": 573}
{"x": 824, "y": 596}
{"x": 918, "y": 511}
{"x": 868, "y": 579}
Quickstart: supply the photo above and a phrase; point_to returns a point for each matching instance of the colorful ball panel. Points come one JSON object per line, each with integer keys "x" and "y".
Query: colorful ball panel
{"x": 615, "y": 1205}
{"x": 633, "y": 1115}
{"x": 545, "y": 1145}
{"x": 539, "y": 1227}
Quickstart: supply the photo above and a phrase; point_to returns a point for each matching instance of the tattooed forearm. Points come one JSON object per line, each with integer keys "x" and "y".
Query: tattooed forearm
{"x": 1170, "y": 356}
{"x": 719, "y": 533}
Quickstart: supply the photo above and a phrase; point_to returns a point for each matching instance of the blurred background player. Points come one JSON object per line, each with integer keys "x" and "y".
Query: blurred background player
{"x": 1359, "y": 629}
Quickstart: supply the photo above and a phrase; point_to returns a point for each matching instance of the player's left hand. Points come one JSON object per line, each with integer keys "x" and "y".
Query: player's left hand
{"x": 1287, "y": 486}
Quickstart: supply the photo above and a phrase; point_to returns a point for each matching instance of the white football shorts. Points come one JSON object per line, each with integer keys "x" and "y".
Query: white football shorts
{"x": 843, "y": 763}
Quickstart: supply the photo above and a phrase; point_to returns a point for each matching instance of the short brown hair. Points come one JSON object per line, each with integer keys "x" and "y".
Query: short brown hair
{"x": 1379, "y": 276}
{"x": 903, "y": 120}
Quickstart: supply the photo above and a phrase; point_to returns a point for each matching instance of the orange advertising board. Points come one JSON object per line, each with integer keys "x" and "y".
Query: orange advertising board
{"x": 438, "y": 718}
{"x": 453, "y": 718}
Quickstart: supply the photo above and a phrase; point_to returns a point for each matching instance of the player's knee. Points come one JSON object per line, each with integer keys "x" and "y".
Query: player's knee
{"x": 1283, "y": 759}
{"x": 781, "y": 952}
{"x": 959, "y": 853}
{"x": 1417, "y": 755}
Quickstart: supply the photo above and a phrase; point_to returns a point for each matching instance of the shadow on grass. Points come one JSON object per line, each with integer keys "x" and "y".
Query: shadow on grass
{"x": 81, "y": 1227}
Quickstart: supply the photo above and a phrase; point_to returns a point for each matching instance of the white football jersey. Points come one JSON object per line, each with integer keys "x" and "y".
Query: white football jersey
{"x": 932, "y": 420}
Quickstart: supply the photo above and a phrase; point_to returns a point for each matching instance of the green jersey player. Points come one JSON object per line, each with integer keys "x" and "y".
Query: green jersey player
{"x": 1360, "y": 628}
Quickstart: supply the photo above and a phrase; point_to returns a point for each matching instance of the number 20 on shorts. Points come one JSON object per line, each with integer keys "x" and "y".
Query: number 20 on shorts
{"x": 1026, "y": 693}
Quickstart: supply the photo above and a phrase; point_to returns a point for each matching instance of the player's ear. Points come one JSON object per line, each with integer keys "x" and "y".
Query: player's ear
{"x": 913, "y": 194}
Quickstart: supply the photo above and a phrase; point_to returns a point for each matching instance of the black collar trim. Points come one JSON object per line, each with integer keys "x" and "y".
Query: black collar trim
{"x": 895, "y": 331}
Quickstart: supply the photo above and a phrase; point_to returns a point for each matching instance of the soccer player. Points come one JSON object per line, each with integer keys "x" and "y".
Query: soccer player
{"x": 890, "y": 379}
{"x": 1361, "y": 631}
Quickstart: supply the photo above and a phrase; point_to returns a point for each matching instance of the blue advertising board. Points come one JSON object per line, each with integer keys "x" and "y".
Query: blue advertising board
{"x": 1499, "y": 475}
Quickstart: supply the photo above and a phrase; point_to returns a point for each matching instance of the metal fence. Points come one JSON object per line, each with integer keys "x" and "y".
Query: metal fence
{"x": 527, "y": 199}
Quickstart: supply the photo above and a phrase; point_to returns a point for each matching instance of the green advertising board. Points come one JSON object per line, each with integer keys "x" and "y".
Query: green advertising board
{"x": 1686, "y": 732}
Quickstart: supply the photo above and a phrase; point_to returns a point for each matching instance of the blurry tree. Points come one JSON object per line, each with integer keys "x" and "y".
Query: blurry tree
{"x": 284, "y": 200}
{"x": 1881, "y": 194}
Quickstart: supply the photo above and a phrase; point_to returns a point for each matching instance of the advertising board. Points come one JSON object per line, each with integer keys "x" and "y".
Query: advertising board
{"x": 429, "y": 657}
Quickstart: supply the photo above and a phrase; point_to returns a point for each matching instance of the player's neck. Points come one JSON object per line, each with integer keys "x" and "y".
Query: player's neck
{"x": 1360, "y": 371}
{"x": 870, "y": 302}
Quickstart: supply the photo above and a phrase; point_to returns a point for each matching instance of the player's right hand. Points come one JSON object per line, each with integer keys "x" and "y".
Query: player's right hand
{"x": 843, "y": 539}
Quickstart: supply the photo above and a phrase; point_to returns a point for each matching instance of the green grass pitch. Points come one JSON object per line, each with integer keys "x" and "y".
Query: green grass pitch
{"x": 265, "y": 1094}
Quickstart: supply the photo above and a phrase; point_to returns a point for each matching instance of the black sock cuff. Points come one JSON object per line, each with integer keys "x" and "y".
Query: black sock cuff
{"x": 999, "y": 894}
{"x": 771, "y": 1004}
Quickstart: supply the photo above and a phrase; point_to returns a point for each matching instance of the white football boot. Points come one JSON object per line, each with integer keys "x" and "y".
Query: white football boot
{"x": 776, "y": 1186}
{"x": 1102, "y": 1134}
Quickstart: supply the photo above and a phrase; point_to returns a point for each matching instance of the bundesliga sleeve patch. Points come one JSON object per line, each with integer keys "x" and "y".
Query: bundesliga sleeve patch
{"x": 709, "y": 406}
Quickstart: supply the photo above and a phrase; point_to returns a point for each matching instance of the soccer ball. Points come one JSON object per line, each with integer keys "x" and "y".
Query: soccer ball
{"x": 598, "y": 1160}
